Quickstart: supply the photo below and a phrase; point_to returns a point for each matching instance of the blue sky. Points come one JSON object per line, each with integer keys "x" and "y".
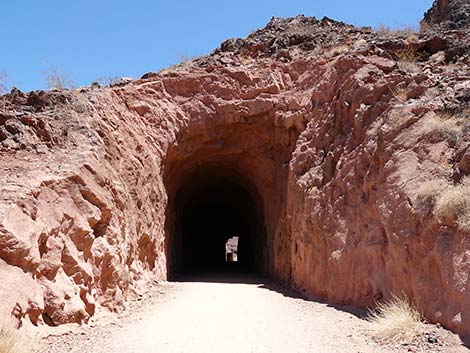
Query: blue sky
{"x": 88, "y": 39}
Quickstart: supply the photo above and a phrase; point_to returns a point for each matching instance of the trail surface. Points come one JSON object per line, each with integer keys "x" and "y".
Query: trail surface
{"x": 237, "y": 316}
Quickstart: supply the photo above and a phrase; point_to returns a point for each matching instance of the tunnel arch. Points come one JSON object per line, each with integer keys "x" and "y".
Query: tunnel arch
{"x": 248, "y": 159}
{"x": 211, "y": 203}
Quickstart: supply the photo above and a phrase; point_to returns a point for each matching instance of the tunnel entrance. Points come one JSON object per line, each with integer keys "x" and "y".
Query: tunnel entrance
{"x": 212, "y": 206}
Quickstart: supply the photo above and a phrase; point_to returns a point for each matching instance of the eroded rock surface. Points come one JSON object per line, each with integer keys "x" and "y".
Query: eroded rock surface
{"x": 450, "y": 14}
{"x": 350, "y": 138}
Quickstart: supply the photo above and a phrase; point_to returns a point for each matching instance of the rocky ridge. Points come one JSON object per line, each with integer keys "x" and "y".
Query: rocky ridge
{"x": 448, "y": 14}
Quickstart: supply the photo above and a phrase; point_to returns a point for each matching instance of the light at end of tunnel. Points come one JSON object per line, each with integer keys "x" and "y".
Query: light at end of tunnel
{"x": 231, "y": 250}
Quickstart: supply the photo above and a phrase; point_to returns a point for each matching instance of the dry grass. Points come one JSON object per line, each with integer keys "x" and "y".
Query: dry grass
{"x": 10, "y": 342}
{"x": 396, "y": 322}
{"x": 431, "y": 93}
{"x": 3, "y": 89}
{"x": 55, "y": 78}
{"x": 107, "y": 81}
{"x": 399, "y": 93}
{"x": 453, "y": 205}
{"x": 448, "y": 126}
{"x": 407, "y": 60}
{"x": 427, "y": 194}
{"x": 360, "y": 44}
{"x": 449, "y": 204}
{"x": 408, "y": 32}
{"x": 405, "y": 55}
{"x": 185, "y": 58}
{"x": 409, "y": 67}
{"x": 338, "y": 50}
{"x": 438, "y": 58}
{"x": 3, "y": 83}
{"x": 453, "y": 68}
{"x": 424, "y": 27}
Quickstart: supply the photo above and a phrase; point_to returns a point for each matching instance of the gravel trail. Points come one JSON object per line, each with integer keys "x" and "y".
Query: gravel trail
{"x": 238, "y": 316}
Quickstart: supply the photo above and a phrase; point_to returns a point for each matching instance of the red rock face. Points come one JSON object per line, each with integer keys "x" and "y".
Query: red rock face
{"x": 337, "y": 155}
{"x": 452, "y": 14}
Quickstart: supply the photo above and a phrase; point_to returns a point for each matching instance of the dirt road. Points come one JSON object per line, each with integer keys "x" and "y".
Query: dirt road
{"x": 202, "y": 316}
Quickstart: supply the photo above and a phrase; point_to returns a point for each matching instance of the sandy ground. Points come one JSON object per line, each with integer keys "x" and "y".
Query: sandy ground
{"x": 239, "y": 315}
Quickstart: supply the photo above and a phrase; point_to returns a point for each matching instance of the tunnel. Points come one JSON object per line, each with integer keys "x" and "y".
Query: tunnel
{"x": 210, "y": 205}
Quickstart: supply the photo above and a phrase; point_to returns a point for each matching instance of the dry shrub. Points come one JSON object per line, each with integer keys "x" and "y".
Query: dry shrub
{"x": 448, "y": 126}
{"x": 184, "y": 58}
{"x": 453, "y": 67}
{"x": 399, "y": 93}
{"x": 406, "y": 55}
{"x": 407, "y": 32}
{"x": 3, "y": 83}
{"x": 3, "y": 89}
{"x": 412, "y": 37}
{"x": 407, "y": 59}
{"x": 107, "y": 81}
{"x": 427, "y": 194}
{"x": 438, "y": 58}
{"x": 55, "y": 78}
{"x": 431, "y": 93}
{"x": 409, "y": 67}
{"x": 360, "y": 43}
{"x": 10, "y": 341}
{"x": 425, "y": 27}
{"x": 338, "y": 50}
{"x": 396, "y": 322}
{"x": 453, "y": 205}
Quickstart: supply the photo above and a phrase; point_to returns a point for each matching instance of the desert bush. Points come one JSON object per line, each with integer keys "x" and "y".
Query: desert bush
{"x": 409, "y": 67}
{"x": 338, "y": 50}
{"x": 427, "y": 194}
{"x": 3, "y": 89}
{"x": 55, "y": 78}
{"x": 360, "y": 43}
{"x": 107, "y": 80}
{"x": 448, "y": 126}
{"x": 185, "y": 58}
{"x": 396, "y": 322}
{"x": 401, "y": 94}
{"x": 453, "y": 205}
{"x": 330, "y": 39}
{"x": 407, "y": 31}
{"x": 453, "y": 67}
{"x": 10, "y": 341}
{"x": 405, "y": 55}
{"x": 3, "y": 83}
{"x": 425, "y": 27}
{"x": 407, "y": 58}
{"x": 431, "y": 93}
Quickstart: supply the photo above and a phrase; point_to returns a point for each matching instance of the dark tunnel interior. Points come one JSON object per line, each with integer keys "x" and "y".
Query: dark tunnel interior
{"x": 213, "y": 205}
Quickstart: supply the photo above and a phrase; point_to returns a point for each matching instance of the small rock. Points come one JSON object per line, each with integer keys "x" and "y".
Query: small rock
{"x": 14, "y": 127}
{"x": 41, "y": 149}
{"x": 139, "y": 106}
{"x": 432, "y": 339}
{"x": 10, "y": 144}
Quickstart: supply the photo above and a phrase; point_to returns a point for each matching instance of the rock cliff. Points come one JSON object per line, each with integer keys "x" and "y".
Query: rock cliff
{"x": 448, "y": 14}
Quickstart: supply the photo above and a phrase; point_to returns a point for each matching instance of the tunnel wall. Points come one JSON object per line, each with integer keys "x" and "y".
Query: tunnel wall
{"x": 336, "y": 159}
{"x": 213, "y": 203}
